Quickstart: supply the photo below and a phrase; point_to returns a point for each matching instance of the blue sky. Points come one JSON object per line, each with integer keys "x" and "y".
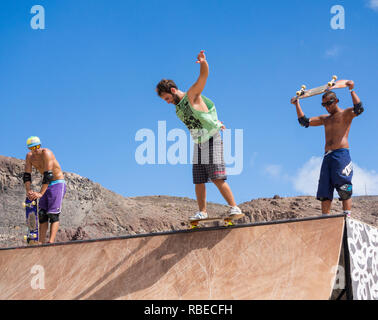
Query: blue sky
{"x": 85, "y": 85}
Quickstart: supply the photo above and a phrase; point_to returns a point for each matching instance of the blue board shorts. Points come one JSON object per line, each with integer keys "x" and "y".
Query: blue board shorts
{"x": 336, "y": 171}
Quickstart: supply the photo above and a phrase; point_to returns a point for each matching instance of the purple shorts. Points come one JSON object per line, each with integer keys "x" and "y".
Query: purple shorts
{"x": 52, "y": 200}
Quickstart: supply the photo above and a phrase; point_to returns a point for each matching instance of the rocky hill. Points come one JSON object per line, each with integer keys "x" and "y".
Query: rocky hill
{"x": 91, "y": 211}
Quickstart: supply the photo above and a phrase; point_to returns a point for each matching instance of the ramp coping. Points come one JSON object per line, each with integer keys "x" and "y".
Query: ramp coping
{"x": 163, "y": 233}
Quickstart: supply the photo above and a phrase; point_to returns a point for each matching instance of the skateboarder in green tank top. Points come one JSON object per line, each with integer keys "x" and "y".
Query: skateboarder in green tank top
{"x": 199, "y": 115}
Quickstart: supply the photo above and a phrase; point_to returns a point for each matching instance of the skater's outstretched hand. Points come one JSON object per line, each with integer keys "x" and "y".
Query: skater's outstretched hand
{"x": 201, "y": 57}
{"x": 350, "y": 84}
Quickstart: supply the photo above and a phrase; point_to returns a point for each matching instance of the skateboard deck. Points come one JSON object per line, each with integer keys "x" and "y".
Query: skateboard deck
{"x": 333, "y": 84}
{"x": 31, "y": 215}
{"x": 228, "y": 220}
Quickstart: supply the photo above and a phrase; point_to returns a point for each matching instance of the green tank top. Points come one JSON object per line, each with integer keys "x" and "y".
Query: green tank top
{"x": 202, "y": 125}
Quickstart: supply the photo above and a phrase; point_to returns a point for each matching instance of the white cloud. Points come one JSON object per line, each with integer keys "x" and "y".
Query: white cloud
{"x": 373, "y": 4}
{"x": 273, "y": 170}
{"x": 365, "y": 181}
{"x": 333, "y": 52}
{"x": 307, "y": 178}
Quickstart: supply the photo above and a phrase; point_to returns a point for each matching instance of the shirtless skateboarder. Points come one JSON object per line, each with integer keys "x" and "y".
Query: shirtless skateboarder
{"x": 53, "y": 186}
{"x": 337, "y": 170}
{"x": 199, "y": 115}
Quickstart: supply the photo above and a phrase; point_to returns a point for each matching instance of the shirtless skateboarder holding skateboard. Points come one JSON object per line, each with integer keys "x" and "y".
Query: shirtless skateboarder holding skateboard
{"x": 337, "y": 170}
{"x": 199, "y": 115}
{"x": 53, "y": 186}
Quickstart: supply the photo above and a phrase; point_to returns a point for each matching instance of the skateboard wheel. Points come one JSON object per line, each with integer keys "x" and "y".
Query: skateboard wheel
{"x": 33, "y": 203}
{"x": 330, "y": 84}
{"x": 24, "y": 205}
{"x": 298, "y": 93}
{"x": 228, "y": 223}
{"x": 304, "y": 87}
{"x": 194, "y": 225}
{"x": 25, "y": 237}
{"x": 334, "y": 77}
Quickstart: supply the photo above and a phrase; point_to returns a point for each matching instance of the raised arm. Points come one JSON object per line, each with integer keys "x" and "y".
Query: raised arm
{"x": 357, "y": 104}
{"x": 303, "y": 120}
{"x": 295, "y": 102}
{"x": 196, "y": 89}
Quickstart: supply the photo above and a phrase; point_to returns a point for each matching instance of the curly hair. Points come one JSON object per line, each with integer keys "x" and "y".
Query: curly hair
{"x": 165, "y": 85}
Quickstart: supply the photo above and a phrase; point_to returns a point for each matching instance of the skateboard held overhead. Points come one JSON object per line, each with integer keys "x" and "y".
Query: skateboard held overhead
{"x": 333, "y": 84}
{"x": 227, "y": 220}
{"x": 31, "y": 214}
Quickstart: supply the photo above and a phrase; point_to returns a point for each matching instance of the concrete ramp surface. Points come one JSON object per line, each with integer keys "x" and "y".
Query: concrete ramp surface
{"x": 285, "y": 260}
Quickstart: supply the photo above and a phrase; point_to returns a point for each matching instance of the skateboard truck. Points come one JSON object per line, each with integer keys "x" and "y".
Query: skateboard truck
{"x": 32, "y": 236}
{"x": 332, "y": 82}
{"x": 300, "y": 92}
{"x": 29, "y": 205}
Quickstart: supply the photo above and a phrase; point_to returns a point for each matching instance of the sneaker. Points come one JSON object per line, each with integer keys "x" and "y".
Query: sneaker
{"x": 199, "y": 216}
{"x": 236, "y": 212}
{"x": 347, "y": 213}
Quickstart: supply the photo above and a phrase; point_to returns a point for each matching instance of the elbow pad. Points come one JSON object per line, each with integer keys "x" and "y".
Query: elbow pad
{"x": 47, "y": 177}
{"x": 358, "y": 109}
{"x": 27, "y": 177}
{"x": 304, "y": 121}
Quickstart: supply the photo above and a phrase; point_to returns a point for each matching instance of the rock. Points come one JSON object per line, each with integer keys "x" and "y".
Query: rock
{"x": 91, "y": 211}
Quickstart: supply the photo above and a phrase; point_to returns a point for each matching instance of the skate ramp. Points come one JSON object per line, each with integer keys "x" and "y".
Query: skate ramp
{"x": 285, "y": 260}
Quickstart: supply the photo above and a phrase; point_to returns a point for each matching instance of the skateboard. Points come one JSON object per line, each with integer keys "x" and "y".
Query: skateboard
{"x": 333, "y": 84}
{"x": 31, "y": 214}
{"x": 227, "y": 220}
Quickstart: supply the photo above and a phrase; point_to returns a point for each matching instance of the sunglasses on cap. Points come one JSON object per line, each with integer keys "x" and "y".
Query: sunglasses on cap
{"x": 328, "y": 103}
{"x": 35, "y": 147}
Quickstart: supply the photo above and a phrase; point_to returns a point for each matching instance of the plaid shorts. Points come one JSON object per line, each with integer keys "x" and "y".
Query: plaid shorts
{"x": 208, "y": 161}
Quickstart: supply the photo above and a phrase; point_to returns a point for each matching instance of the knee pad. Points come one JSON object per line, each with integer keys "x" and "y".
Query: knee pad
{"x": 42, "y": 215}
{"x": 53, "y": 217}
{"x": 345, "y": 191}
{"x": 323, "y": 199}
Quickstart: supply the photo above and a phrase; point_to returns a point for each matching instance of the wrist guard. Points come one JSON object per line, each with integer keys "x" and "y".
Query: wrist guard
{"x": 358, "y": 109}
{"x": 304, "y": 121}
{"x": 47, "y": 177}
{"x": 26, "y": 177}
